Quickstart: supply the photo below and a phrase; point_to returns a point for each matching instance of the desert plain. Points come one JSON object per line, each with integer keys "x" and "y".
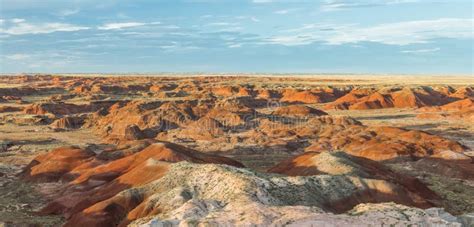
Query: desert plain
{"x": 236, "y": 150}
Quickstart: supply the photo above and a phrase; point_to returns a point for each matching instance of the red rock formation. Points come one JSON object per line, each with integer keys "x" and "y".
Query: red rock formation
{"x": 344, "y": 133}
{"x": 68, "y": 122}
{"x": 54, "y": 165}
{"x": 66, "y": 108}
{"x": 458, "y": 110}
{"x": 205, "y": 128}
{"x": 362, "y": 99}
{"x": 225, "y": 91}
{"x": 153, "y": 117}
{"x": 464, "y": 104}
{"x": 463, "y": 93}
{"x": 344, "y": 102}
{"x": 85, "y": 201}
{"x": 268, "y": 94}
{"x": 295, "y": 96}
{"x": 373, "y": 101}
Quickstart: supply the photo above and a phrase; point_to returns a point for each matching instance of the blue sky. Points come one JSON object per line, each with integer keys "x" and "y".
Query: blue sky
{"x": 327, "y": 36}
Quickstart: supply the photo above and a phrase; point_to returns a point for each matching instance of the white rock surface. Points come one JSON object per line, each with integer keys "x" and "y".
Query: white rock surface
{"x": 219, "y": 195}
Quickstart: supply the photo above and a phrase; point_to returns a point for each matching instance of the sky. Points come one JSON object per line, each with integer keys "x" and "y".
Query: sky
{"x": 237, "y": 36}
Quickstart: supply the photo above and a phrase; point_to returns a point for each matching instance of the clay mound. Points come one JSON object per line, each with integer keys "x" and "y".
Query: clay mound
{"x": 406, "y": 98}
{"x": 463, "y": 93}
{"x": 374, "y": 101}
{"x": 267, "y": 94}
{"x": 53, "y": 108}
{"x": 231, "y": 113}
{"x": 392, "y": 143}
{"x": 344, "y": 102}
{"x": 458, "y": 110}
{"x": 294, "y": 96}
{"x": 99, "y": 88}
{"x": 298, "y": 110}
{"x": 334, "y": 133}
{"x": 162, "y": 87}
{"x": 405, "y": 189}
{"x": 160, "y": 151}
{"x": 81, "y": 89}
{"x": 56, "y": 163}
{"x": 133, "y": 132}
{"x": 242, "y": 91}
{"x": 247, "y": 102}
{"x": 96, "y": 180}
{"x": 465, "y": 104}
{"x": 328, "y": 94}
{"x": 419, "y": 97}
{"x": 69, "y": 122}
{"x": 203, "y": 129}
{"x": 151, "y": 117}
{"x": 67, "y": 108}
{"x": 363, "y": 99}
{"x": 237, "y": 105}
{"x": 225, "y": 91}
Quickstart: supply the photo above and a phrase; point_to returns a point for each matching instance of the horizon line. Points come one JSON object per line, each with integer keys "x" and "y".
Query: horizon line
{"x": 230, "y": 74}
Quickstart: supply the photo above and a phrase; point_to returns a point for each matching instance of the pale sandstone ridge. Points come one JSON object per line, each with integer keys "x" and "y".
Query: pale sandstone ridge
{"x": 392, "y": 187}
{"x": 230, "y": 197}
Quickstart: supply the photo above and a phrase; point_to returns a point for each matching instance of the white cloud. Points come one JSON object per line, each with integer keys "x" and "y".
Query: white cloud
{"x": 118, "y": 26}
{"x": 18, "y": 56}
{"x": 68, "y": 12}
{"x": 254, "y": 19}
{"x": 409, "y": 32}
{"x": 234, "y": 45}
{"x": 262, "y": 1}
{"x": 17, "y": 20}
{"x": 400, "y": 33}
{"x": 421, "y": 51}
{"x": 337, "y": 5}
{"x": 23, "y": 28}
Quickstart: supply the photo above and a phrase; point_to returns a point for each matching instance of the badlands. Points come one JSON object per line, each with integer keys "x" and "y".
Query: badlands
{"x": 246, "y": 150}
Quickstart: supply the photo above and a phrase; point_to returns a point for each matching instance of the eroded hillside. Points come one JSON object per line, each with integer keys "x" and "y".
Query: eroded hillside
{"x": 107, "y": 151}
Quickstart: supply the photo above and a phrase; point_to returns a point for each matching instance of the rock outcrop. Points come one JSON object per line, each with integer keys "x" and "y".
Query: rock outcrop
{"x": 95, "y": 182}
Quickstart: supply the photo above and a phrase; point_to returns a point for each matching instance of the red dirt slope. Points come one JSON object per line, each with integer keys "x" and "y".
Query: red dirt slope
{"x": 84, "y": 201}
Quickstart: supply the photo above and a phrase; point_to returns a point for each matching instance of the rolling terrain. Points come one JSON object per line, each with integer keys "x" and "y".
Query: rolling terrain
{"x": 97, "y": 150}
